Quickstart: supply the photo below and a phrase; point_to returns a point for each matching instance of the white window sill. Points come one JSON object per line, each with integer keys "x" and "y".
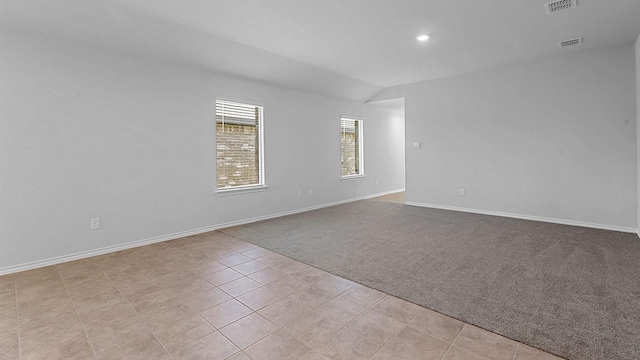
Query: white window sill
{"x": 241, "y": 190}
{"x": 352, "y": 178}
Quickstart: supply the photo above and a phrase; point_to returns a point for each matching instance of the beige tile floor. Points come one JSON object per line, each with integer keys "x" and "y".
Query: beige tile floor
{"x": 393, "y": 197}
{"x": 212, "y": 296}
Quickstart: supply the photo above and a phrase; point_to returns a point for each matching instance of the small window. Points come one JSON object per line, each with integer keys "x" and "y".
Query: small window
{"x": 239, "y": 159}
{"x": 351, "y": 147}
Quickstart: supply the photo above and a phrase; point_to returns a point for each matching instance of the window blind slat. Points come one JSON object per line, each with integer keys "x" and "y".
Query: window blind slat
{"x": 234, "y": 110}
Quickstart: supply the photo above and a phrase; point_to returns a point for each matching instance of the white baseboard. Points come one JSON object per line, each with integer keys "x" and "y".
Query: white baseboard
{"x": 297, "y": 211}
{"x": 177, "y": 235}
{"x": 101, "y": 251}
{"x": 528, "y": 217}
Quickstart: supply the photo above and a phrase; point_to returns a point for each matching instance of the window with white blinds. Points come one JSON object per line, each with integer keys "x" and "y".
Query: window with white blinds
{"x": 239, "y": 145}
{"x": 351, "y": 154}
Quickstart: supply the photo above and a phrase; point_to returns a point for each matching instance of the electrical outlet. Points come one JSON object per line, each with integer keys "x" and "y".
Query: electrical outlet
{"x": 377, "y": 182}
{"x": 95, "y": 223}
{"x": 461, "y": 192}
{"x": 310, "y": 192}
{"x": 299, "y": 193}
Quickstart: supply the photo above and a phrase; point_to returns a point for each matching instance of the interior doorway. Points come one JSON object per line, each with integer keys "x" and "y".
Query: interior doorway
{"x": 396, "y": 147}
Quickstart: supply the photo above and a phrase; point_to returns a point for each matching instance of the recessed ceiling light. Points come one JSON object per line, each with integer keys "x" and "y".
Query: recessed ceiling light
{"x": 422, "y": 37}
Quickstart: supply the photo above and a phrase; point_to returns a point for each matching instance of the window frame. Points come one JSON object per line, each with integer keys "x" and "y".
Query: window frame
{"x": 241, "y": 189}
{"x": 361, "y": 173}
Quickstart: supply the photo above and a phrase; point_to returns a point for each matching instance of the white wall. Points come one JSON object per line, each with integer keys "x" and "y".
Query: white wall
{"x": 385, "y": 155}
{"x": 638, "y": 120}
{"x": 552, "y": 139}
{"x": 86, "y": 133}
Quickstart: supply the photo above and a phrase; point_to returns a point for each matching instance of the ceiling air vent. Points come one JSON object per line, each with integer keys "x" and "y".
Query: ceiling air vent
{"x": 559, "y": 5}
{"x": 570, "y": 42}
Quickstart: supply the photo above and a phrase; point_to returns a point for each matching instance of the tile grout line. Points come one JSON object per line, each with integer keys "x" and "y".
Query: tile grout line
{"x": 253, "y": 343}
{"x": 354, "y": 319}
{"x": 516, "y": 352}
{"x": 216, "y": 329}
{"x": 229, "y": 340}
{"x": 73, "y": 303}
{"x": 15, "y": 290}
{"x": 453, "y": 342}
{"x": 437, "y": 337}
{"x": 137, "y": 314}
{"x": 399, "y": 331}
{"x": 313, "y": 310}
{"x": 256, "y": 311}
{"x": 253, "y": 311}
{"x": 243, "y": 353}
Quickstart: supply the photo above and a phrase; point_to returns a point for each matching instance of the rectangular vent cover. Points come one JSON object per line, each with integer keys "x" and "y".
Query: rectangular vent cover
{"x": 570, "y": 42}
{"x": 559, "y": 5}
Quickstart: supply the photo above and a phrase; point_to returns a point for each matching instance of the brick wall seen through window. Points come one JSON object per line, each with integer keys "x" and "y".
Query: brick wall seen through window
{"x": 351, "y": 147}
{"x": 238, "y": 136}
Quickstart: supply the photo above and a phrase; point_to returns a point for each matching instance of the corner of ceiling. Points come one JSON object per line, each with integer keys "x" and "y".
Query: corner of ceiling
{"x": 390, "y": 93}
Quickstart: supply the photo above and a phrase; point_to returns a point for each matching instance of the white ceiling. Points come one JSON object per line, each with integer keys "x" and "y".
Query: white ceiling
{"x": 343, "y": 48}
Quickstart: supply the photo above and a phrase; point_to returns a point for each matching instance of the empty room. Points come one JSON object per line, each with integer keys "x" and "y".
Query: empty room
{"x": 320, "y": 180}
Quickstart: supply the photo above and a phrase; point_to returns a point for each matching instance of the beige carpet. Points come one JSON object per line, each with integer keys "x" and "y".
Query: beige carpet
{"x": 567, "y": 290}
